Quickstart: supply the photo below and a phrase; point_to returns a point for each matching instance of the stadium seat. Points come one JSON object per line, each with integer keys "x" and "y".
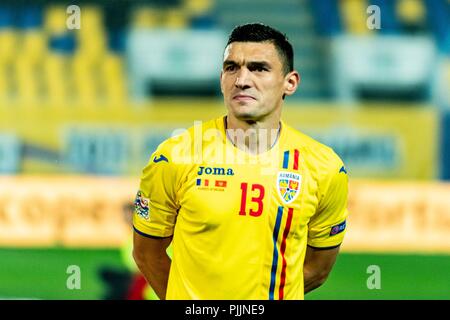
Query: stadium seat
{"x": 92, "y": 37}
{"x": 327, "y": 22}
{"x": 85, "y": 80}
{"x": 200, "y": 13}
{"x": 27, "y": 80}
{"x": 389, "y": 16}
{"x": 57, "y": 79}
{"x": 5, "y": 84}
{"x": 92, "y": 20}
{"x": 114, "y": 79}
{"x": 411, "y": 11}
{"x": 30, "y": 17}
{"x": 63, "y": 43}
{"x": 9, "y": 41}
{"x": 354, "y": 16}
{"x": 198, "y": 7}
{"x": 34, "y": 45}
{"x": 145, "y": 17}
{"x": 411, "y": 15}
{"x": 438, "y": 17}
{"x": 175, "y": 18}
{"x": 6, "y": 17}
{"x": 8, "y": 50}
{"x": 55, "y": 20}
{"x": 92, "y": 46}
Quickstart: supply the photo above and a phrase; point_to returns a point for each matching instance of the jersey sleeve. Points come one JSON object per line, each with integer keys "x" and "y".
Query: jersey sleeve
{"x": 328, "y": 225}
{"x": 156, "y": 204}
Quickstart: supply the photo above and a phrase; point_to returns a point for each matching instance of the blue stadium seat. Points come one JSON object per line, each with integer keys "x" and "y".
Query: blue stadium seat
{"x": 6, "y": 17}
{"x": 327, "y": 22}
{"x": 30, "y": 17}
{"x": 117, "y": 41}
{"x": 64, "y": 43}
{"x": 438, "y": 16}
{"x": 203, "y": 22}
{"x": 389, "y": 21}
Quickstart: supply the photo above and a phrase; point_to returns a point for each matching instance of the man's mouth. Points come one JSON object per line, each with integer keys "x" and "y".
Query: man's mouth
{"x": 243, "y": 97}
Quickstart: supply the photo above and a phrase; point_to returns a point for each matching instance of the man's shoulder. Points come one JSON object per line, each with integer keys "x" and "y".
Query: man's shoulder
{"x": 312, "y": 148}
{"x": 303, "y": 141}
{"x": 183, "y": 141}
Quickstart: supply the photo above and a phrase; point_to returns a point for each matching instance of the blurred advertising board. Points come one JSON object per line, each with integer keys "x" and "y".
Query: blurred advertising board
{"x": 398, "y": 216}
{"x": 94, "y": 212}
{"x": 64, "y": 211}
{"x": 380, "y": 141}
{"x": 377, "y": 141}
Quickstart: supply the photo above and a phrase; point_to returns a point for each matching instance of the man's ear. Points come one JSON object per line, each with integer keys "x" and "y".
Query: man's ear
{"x": 221, "y": 87}
{"x": 292, "y": 80}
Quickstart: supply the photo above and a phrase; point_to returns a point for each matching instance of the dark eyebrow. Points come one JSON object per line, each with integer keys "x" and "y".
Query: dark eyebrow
{"x": 258, "y": 64}
{"x": 251, "y": 64}
{"x": 227, "y": 63}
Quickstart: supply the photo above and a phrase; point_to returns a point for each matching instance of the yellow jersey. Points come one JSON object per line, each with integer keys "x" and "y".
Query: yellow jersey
{"x": 241, "y": 222}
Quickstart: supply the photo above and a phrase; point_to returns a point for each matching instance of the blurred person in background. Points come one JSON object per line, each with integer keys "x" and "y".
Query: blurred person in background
{"x": 240, "y": 231}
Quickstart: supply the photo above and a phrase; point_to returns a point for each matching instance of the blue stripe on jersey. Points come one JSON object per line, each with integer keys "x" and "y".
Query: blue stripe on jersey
{"x": 275, "y": 253}
{"x": 286, "y": 160}
{"x": 199, "y": 182}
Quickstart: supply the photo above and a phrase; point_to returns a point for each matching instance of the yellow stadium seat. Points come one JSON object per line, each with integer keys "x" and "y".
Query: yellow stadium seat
{"x": 92, "y": 37}
{"x": 5, "y": 85}
{"x": 112, "y": 65}
{"x": 55, "y": 19}
{"x": 91, "y": 19}
{"x": 175, "y": 18}
{"x": 85, "y": 80}
{"x": 27, "y": 81}
{"x": 198, "y": 7}
{"x": 57, "y": 79}
{"x": 114, "y": 81}
{"x": 411, "y": 11}
{"x": 92, "y": 46}
{"x": 86, "y": 92}
{"x": 34, "y": 45}
{"x": 145, "y": 17}
{"x": 354, "y": 16}
{"x": 9, "y": 41}
{"x": 115, "y": 93}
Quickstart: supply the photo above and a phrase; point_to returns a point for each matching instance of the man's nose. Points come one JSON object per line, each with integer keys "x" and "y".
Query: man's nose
{"x": 243, "y": 79}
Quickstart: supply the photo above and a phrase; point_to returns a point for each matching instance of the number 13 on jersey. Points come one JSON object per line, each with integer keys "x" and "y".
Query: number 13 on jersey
{"x": 257, "y": 195}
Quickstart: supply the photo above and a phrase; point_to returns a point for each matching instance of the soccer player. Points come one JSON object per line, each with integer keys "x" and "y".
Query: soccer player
{"x": 254, "y": 209}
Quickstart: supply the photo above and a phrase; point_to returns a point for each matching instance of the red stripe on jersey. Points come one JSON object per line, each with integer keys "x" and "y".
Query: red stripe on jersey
{"x": 282, "y": 250}
{"x": 296, "y": 156}
{"x": 206, "y": 183}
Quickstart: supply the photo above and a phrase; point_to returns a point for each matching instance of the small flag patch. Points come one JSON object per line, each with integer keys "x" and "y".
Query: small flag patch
{"x": 211, "y": 183}
{"x": 221, "y": 183}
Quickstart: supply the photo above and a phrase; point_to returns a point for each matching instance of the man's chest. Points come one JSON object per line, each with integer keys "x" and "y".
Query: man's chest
{"x": 247, "y": 194}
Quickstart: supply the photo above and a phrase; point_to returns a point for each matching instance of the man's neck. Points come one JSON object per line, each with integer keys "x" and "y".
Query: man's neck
{"x": 254, "y": 137}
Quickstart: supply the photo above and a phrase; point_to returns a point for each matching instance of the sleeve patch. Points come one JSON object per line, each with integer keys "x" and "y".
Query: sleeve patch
{"x": 338, "y": 228}
{"x": 141, "y": 206}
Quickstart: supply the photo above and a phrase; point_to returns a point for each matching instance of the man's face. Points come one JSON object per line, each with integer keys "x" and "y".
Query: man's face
{"x": 252, "y": 80}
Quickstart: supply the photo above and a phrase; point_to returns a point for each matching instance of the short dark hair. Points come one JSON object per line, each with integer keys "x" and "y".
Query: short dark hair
{"x": 259, "y": 32}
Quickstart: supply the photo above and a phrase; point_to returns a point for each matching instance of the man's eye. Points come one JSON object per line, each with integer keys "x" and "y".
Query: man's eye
{"x": 260, "y": 69}
{"x": 230, "y": 68}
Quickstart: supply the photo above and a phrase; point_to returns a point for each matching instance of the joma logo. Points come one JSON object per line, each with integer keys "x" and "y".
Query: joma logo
{"x": 215, "y": 171}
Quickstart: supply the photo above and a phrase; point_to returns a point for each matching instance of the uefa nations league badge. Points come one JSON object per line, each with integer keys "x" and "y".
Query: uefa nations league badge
{"x": 288, "y": 185}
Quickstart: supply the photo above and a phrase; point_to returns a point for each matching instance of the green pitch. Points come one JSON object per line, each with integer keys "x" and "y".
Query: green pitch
{"x": 42, "y": 274}
{"x": 401, "y": 277}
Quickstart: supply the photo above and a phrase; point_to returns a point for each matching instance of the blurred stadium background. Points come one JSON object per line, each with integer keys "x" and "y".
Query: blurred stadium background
{"x": 81, "y": 111}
